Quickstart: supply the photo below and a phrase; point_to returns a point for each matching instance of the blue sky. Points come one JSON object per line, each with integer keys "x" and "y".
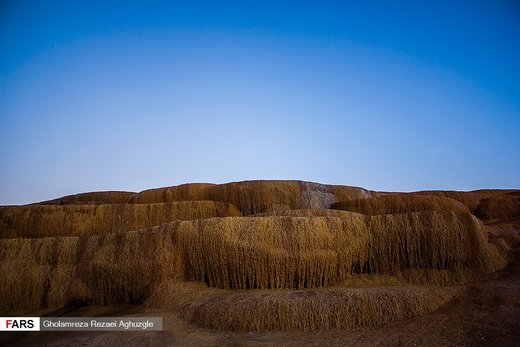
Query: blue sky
{"x": 394, "y": 95}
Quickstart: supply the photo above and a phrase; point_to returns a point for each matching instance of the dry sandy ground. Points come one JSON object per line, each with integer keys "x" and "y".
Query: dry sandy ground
{"x": 487, "y": 313}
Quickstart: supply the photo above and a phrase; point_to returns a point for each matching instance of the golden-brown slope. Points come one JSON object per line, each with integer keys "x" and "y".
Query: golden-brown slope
{"x": 471, "y": 199}
{"x": 298, "y": 252}
{"x": 110, "y": 197}
{"x": 242, "y": 253}
{"x": 70, "y": 220}
{"x": 253, "y": 197}
{"x": 401, "y": 203}
{"x": 499, "y": 208}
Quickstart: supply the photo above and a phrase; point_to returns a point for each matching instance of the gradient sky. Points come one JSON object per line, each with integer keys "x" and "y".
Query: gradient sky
{"x": 394, "y": 95}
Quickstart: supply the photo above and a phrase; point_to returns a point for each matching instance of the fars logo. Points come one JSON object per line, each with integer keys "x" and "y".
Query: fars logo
{"x": 19, "y": 323}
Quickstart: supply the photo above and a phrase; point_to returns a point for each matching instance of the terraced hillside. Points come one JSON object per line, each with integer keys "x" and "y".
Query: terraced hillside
{"x": 302, "y": 256}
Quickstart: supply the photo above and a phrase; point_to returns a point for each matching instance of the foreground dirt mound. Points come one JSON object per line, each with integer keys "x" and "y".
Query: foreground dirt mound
{"x": 71, "y": 220}
{"x": 320, "y": 309}
{"x": 401, "y": 203}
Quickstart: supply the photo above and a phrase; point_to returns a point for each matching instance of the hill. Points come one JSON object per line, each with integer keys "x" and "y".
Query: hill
{"x": 303, "y": 256}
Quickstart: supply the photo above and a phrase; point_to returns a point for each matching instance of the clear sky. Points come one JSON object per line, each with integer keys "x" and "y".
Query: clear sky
{"x": 390, "y": 95}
